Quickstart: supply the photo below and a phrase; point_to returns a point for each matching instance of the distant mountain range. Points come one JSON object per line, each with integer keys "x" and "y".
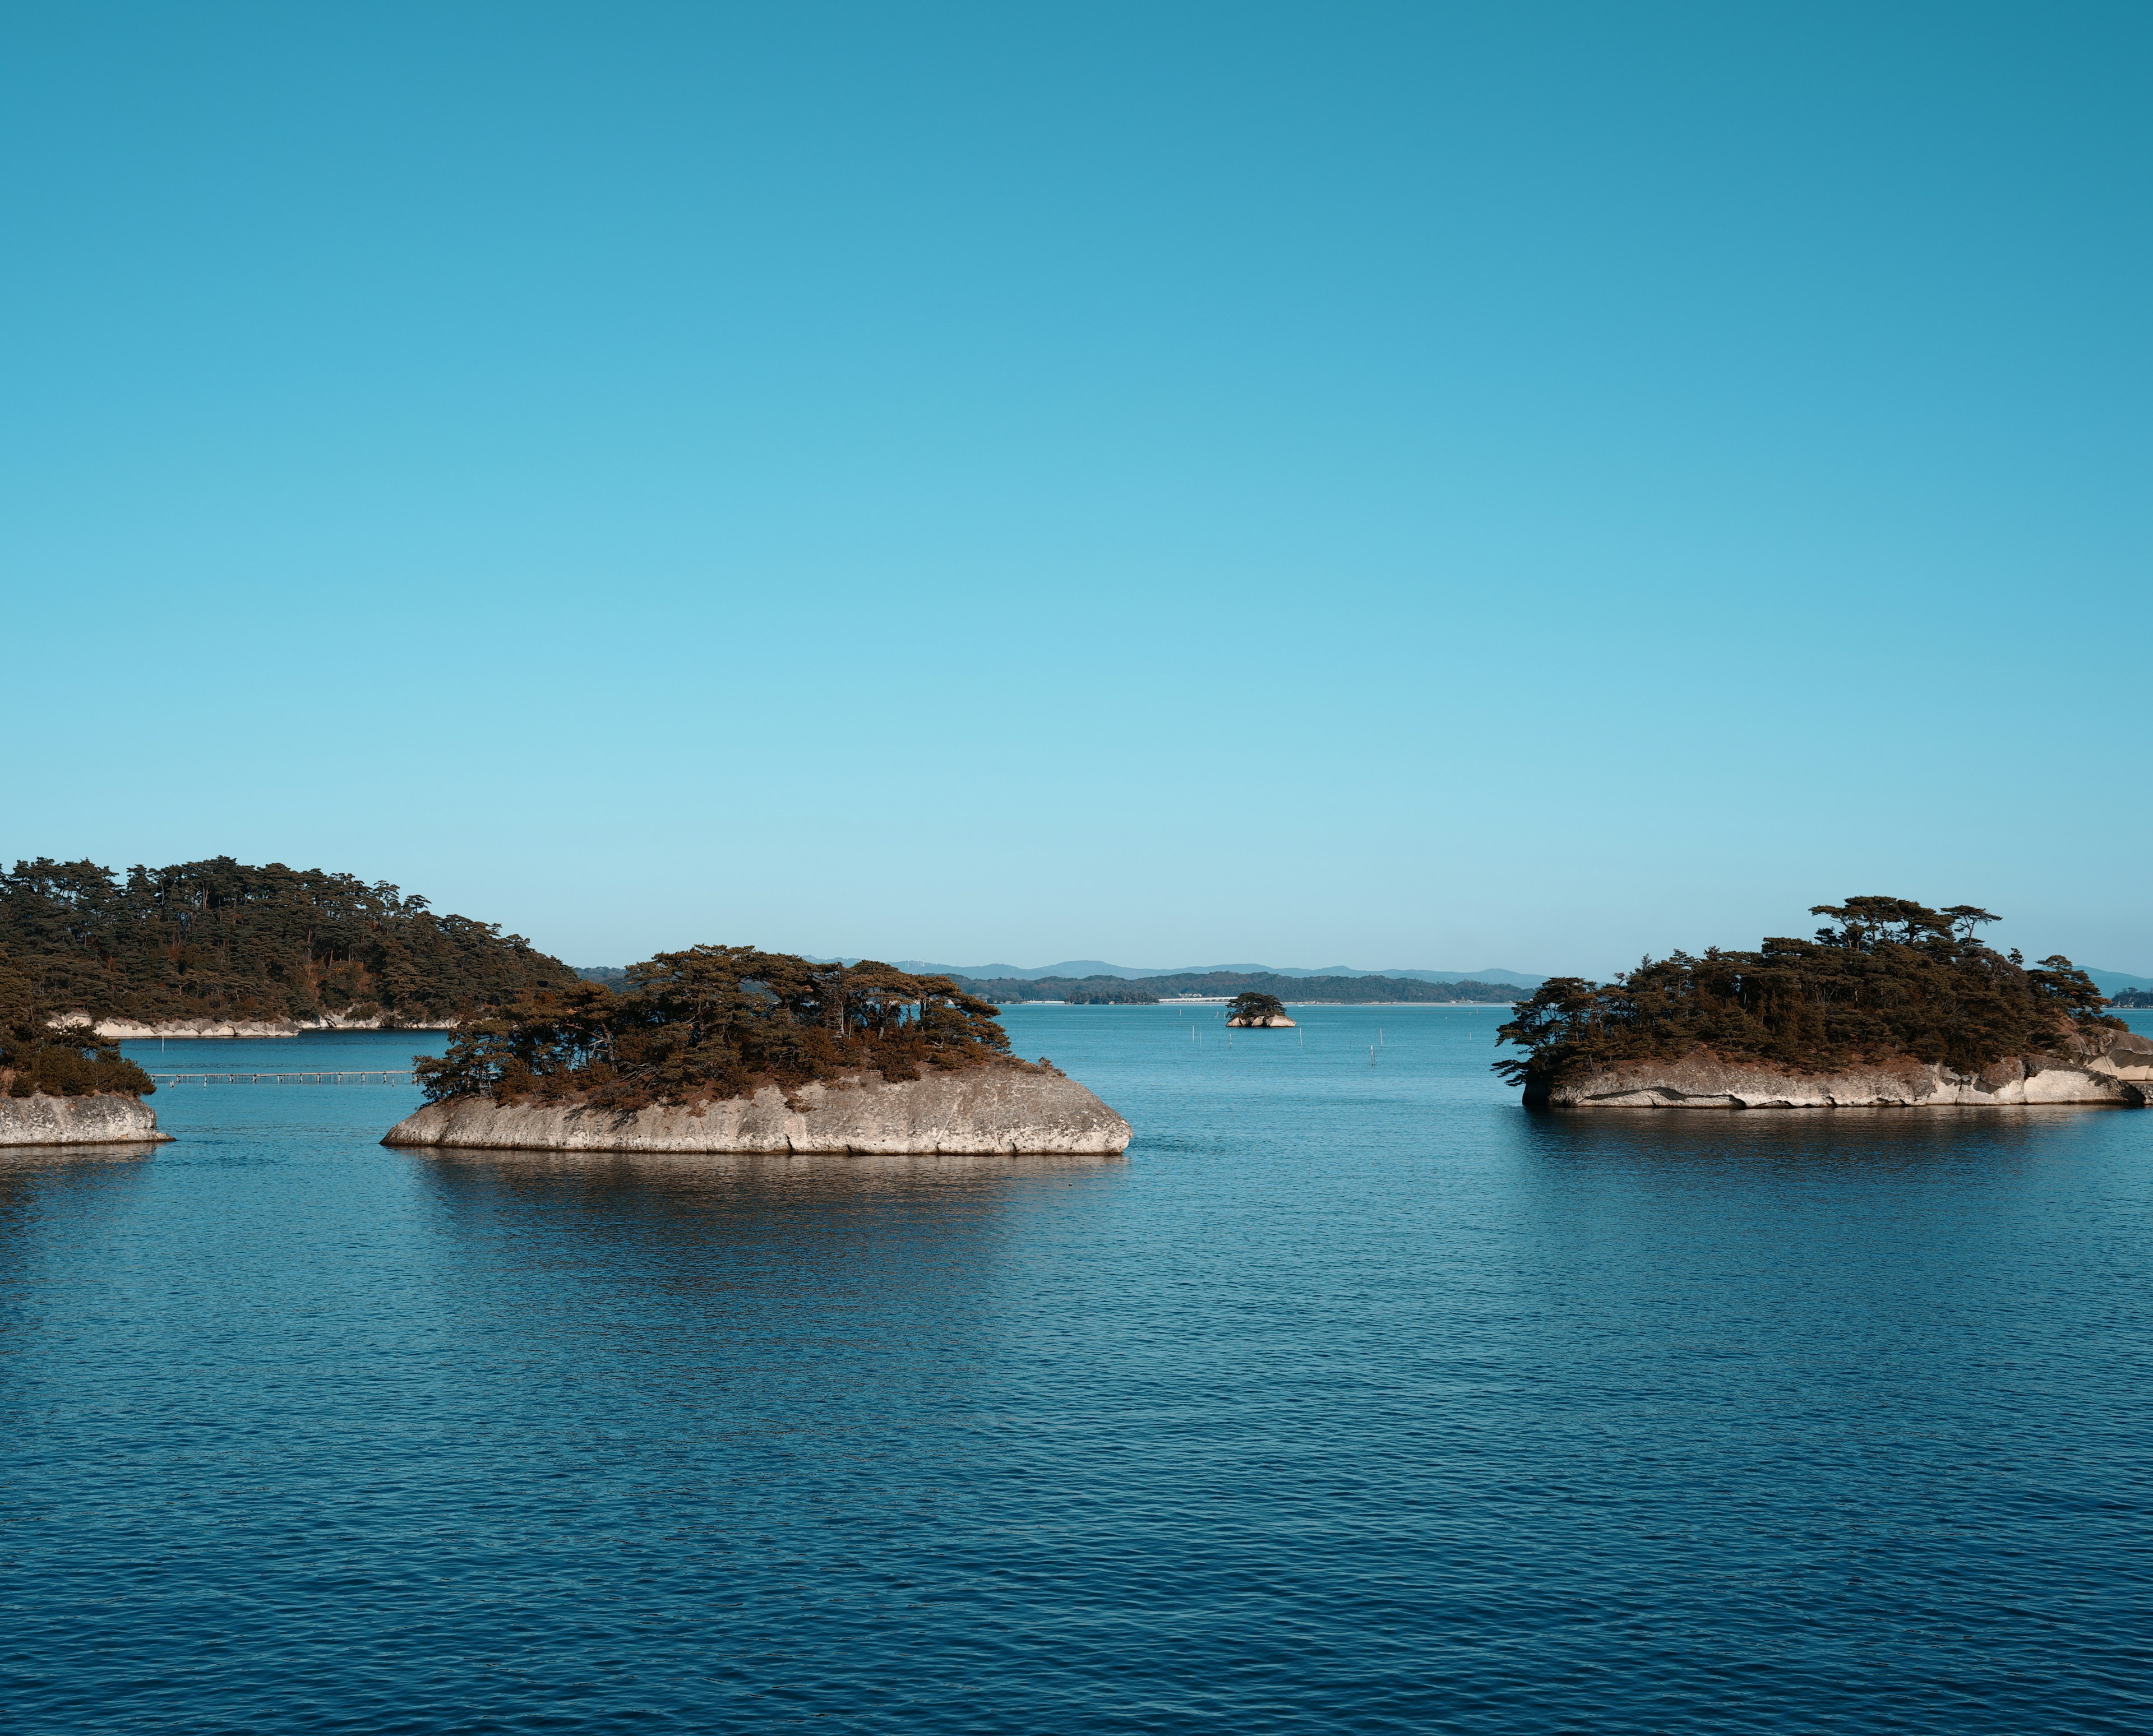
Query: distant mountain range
{"x": 1081, "y": 967}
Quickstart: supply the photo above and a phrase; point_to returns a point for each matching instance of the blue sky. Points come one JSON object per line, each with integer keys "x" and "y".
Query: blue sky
{"x": 1409, "y": 484}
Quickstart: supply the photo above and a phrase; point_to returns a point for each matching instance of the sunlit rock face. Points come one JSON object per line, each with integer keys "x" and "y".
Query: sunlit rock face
{"x": 981, "y": 1110}
{"x": 1277, "y": 1022}
{"x": 129, "y": 1030}
{"x": 105, "y": 1119}
{"x": 2110, "y": 1067}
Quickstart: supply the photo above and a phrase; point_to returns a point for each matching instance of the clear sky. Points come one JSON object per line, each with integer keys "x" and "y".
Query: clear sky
{"x": 1389, "y": 485}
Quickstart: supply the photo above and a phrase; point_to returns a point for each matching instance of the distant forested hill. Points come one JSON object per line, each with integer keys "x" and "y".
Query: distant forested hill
{"x": 1228, "y": 983}
{"x": 219, "y": 939}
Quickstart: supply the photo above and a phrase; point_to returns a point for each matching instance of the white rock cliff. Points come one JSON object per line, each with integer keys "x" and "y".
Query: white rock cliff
{"x": 105, "y": 1119}
{"x": 132, "y": 1029}
{"x": 2110, "y": 1067}
{"x": 980, "y": 1111}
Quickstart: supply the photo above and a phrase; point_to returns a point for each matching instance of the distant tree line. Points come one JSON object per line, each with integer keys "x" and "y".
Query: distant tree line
{"x": 1226, "y": 984}
{"x": 614, "y": 976}
{"x": 219, "y": 939}
{"x": 714, "y": 1023}
{"x": 1888, "y": 979}
{"x": 2131, "y": 998}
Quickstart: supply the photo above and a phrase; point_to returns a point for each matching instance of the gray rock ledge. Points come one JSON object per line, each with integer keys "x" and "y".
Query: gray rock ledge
{"x": 2108, "y": 1067}
{"x": 108, "y": 1119}
{"x": 980, "y": 1111}
{"x": 132, "y": 1030}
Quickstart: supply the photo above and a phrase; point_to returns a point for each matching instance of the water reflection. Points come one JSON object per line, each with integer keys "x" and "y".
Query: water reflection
{"x": 53, "y": 1198}
{"x": 799, "y": 1298}
{"x": 1863, "y": 1137}
{"x": 679, "y": 1223}
{"x": 14, "y": 1160}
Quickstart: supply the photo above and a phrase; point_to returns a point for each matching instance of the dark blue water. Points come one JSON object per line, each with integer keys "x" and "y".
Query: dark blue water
{"x": 1354, "y": 1399}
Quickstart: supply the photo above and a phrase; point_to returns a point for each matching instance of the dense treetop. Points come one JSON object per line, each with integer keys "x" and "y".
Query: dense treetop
{"x": 219, "y": 939}
{"x": 714, "y": 1023}
{"x": 1254, "y": 1007}
{"x": 1888, "y": 979}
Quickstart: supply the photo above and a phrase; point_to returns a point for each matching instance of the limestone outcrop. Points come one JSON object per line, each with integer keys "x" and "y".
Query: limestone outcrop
{"x": 131, "y": 1030}
{"x": 1277, "y": 1022}
{"x": 2101, "y": 1067}
{"x": 976, "y": 1110}
{"x": 107, "y": 1119}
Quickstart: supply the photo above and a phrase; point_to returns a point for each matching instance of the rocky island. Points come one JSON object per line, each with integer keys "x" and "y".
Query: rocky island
{"x": 1253, "y": 1009}
{"x": 1892, "y": 1004}
{"x": 64, "y": 1088}
{"x": 728, "y": 1049}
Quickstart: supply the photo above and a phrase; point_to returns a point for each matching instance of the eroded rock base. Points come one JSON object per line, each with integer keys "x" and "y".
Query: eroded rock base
{"x": 107, "y": 1119}
{"x": 2108, "y": 1067}
{"x": 979, "y": 1111}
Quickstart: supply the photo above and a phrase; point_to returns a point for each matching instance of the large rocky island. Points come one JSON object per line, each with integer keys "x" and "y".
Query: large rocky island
{"x": 728, "y": 1049}
{"x": 1891, "y": 1005}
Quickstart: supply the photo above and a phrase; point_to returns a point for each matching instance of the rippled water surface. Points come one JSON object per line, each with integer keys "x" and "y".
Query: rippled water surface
{"x": 1354, "y": 1398}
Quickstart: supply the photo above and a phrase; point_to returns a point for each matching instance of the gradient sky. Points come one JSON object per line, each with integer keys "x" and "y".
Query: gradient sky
{"x": 1406, "y": 485}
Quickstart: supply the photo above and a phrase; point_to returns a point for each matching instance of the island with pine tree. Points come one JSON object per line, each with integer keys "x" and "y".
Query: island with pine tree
{"x": 1892, "y": 1004}
{"x": 730, "y": 1049}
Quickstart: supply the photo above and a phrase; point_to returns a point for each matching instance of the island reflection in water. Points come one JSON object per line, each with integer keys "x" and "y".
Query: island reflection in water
{"x": 830, "y": 1294}
{"x": 1855, "y": 1138}
{"x": 27, "y": 1158}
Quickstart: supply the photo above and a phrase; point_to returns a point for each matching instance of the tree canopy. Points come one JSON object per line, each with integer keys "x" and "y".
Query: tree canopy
{"x": 219, "y": 939}
{"x": 1886, "y": 979}
{"x": 713, "y": 1022}
{"x": 1254, "y": 1007}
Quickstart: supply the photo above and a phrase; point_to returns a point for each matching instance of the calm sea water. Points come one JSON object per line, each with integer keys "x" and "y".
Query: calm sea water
{"x": 1354, "y": 1398}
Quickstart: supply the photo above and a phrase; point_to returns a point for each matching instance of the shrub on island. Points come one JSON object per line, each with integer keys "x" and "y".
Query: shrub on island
{"x": 1888, "y": 982}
